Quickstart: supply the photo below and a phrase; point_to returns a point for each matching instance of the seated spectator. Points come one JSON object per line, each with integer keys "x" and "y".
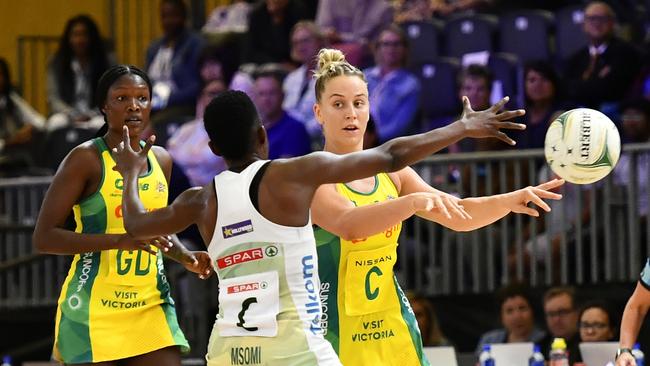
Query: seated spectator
{"x": 269, "y": 28}
{"x": 597, "y": 324}
{"x": 73, "y": 73}
{"x": 188, "y": 146}
{"x": 287, "y": 136}
{"x": 517, "y": 318}
{"x": 172, "y": 64}
{"x": 20, "y": 127}
{"x": 542, "y": 103}
{"x": 604, "y": 70}
{"x": 427, "y": 321}
{"x": 349, "y": 25}
{"x": 636, "y": 129}
{"x": 299, "y": 86}
{"x": 561, "y": 321}
{"x": 394, "y": 92}
{"x": 475, "y": 83}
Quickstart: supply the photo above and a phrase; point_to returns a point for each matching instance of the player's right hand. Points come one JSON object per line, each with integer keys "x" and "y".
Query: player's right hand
{"x": 488, "y": 123}
{"x": 127, "y": 242}
{"x": 445, "y": 204}
{"x": 625, "y": 359}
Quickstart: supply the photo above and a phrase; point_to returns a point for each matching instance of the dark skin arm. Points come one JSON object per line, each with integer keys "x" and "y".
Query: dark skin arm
{"x": 288, "y": 186}
{"x": 194, "y": 261}
{"x": 78, "y": 177}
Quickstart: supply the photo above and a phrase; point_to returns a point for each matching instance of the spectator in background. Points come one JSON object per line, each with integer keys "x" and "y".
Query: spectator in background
{"x": 20, "y": 125}
{"x": 636, "y": 129}
{"x": 287, "y": 136}
{"x": 73, "y": 73}
{"x": 474, "y": 82}
{"x": 597, "y": 322}
{"x": 349, "y": 25}
{"x": 561, "y": 321}
{"x": 542, "y": 103}
{"x": 412, "y": 10}
{"x": 517, "y": 318}
{"x": 604, "y": 70}
{"x": 172, "y": 64}
{"x": 393, "y": 91}
{"x": 269, "y": 28}
{"x": 188, "y": 146}
{"x": 299, "y": 85}
{"x": 427, "y": 321}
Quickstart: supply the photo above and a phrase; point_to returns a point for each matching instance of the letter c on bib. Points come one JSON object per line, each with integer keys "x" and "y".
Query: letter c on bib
{"x": 372, "y": 295}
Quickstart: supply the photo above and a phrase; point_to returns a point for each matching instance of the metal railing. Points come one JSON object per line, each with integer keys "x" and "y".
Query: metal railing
{"x": 593, "y": 235}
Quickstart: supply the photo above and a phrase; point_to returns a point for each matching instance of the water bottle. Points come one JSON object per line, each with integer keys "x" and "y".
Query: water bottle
{"x": 6, "y": 360}
{"x": 537, "y": 359}
{"x": 638, "y": 355}
{"x": 558, "y": 356}
{"x": 485, "y": 358}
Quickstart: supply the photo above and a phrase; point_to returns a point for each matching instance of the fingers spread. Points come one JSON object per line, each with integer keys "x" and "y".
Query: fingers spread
{"x": 503, "y": 137}
{"x": 497, "y": 107}
{"x": 551, "y": 184}
{"x": 532, "y": 197}
{"x": 148, "y": 144}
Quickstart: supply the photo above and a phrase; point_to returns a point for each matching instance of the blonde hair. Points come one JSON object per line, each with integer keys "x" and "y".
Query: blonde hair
{"x": 332, "y": 63}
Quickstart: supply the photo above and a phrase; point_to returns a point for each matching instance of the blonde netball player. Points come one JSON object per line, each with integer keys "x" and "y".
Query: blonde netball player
{"x": 368, "y": 318}
{"x": 115, "y": 305}
{"x": 255, "y": 218}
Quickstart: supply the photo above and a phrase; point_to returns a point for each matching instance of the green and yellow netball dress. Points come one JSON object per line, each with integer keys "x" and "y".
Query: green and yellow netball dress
{"x": 367, "y": 317}
{"x": 115, "y": 303}
{"x": 269, "y": 308}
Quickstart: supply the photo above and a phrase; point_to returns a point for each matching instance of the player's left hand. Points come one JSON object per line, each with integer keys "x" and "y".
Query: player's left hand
{"x": 126, "y": 159}
{"x": 200, "y": 264}
{"x": 518, "y": 200}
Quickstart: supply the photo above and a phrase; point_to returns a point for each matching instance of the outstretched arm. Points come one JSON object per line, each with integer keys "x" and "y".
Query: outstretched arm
{"x": 320, "y": 168}
{"x": 483, "y": 210}
{"x": 338, "y": 215}
{"x": 633, "y": 315}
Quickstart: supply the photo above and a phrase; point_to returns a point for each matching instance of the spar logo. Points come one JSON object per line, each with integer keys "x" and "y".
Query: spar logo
{"x": 244, "y": 287}
{"x": 247, "y": 256}
{"x": 239, "y": 228}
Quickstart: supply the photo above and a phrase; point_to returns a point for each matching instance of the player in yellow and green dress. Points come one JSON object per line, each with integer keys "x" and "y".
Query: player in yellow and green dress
{"x": 366, "y": 315}
{"x": 115, "y": 303}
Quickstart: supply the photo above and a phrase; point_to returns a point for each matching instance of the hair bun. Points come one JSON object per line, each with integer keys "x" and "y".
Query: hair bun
{"x": 328, "y": 57}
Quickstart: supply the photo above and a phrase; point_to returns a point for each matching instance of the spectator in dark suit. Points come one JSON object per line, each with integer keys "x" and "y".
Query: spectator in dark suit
{"x": 269, "y": 30}
{"x": 172, "y": 65}
{"x": 604, "y": 70}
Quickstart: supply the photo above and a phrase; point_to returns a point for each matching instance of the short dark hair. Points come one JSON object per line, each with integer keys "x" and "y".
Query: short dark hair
{"x": 547, "y": 71}
{"x": 108, "y": 79}
{"x": 230, "y": 121}
{"x": 605, "y": 307}
{"x": 476, "y": 71}
{"x": 513, "y": 290}
{"x": 179, "y": 4}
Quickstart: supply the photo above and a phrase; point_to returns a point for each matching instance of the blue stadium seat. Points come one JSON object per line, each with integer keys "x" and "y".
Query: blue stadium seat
{"x": 469, "y": 33}
{"x": 424, "y": 38}
{"x": 507, "y": 70}
{"x": 438, "y": 95}
{"x": 569, "y": 36}
{"x": 525, "y": 33}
